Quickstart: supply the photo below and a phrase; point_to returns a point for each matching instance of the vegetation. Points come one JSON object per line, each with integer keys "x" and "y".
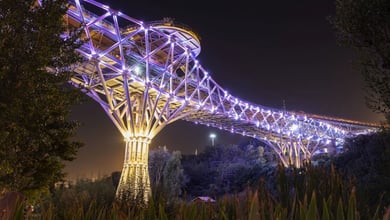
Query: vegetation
{"x": 221, "y": 170}
{"x": 339, "y": 188}
{"x": 364, "y": 26}
{"x": 245, "y": 180}
{"x": 307, "y": 193}
{"x": 366, "y": 163}
{"x": 166, "y": 175}
{"x": 35, "y": 98}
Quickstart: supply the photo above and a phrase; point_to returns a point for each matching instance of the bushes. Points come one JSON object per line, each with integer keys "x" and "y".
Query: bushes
{"x": 307, "y": 193}
{"x": 311, "y": 192}
{"x": 366, "y": 162}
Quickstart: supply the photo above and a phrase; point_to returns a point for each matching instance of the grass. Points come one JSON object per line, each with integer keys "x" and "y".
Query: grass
{"x": 309, "y": 193}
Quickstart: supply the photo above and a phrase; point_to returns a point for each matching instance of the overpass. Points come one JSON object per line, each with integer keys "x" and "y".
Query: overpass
{"x": 146, "y": 75}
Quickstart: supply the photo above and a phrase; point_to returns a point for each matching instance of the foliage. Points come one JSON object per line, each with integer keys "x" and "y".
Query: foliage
{"x": 157, "y": 161}
{"x": 313, "y": 193}
{"x": 174, "y": 179}
{"x": 166, "y": 175}
{"x": 364, "y": 26}
{"x": 80, "y": 196}
{"x": 35, "y": 98}
{"x": 366, "y": 161}
{"x": 224, "y": 169}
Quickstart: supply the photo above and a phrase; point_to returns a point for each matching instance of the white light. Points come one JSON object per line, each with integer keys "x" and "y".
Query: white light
{"x": 127, "y": 136}
{"x": 106, "y": 7}
{"x": 137, "y": 70}
{"x": 212, "y": 136}
{"x": 294, "y": 127}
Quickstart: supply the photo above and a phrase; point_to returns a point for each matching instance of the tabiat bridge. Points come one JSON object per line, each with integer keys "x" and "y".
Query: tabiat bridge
{"x": 146, "y": 75}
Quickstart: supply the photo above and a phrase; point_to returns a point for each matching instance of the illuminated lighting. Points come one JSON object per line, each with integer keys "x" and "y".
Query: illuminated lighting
{"x": 127, "y": 136}
{"x": 137, "y": 70}
{"x": 313, "y": 130}
{"x": 294, "y": 127}
{"x": 212, "y": 137}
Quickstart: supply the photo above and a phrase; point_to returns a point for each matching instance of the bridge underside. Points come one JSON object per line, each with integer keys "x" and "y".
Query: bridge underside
{"x": 146, "y": 75}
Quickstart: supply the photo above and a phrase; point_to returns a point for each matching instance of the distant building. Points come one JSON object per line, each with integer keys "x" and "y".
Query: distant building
{"x": 63, "y": 184}
{"x": 203, "y": 199}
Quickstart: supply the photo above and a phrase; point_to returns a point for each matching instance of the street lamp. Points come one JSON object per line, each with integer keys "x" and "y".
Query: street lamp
{"x": 212, "y": 136}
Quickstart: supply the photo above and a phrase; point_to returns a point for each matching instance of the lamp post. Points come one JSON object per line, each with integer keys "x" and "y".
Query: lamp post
{"x": 212, "y": 136}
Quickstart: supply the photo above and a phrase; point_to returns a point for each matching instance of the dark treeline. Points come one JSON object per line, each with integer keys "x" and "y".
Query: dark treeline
{"x": 221, "y": 170}
{"x": 246, "y": 180}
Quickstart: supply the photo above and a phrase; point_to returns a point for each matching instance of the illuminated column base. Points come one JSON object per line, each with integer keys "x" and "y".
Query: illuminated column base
{"x": 134, "y": 183}
{"x": 292, "y": 154}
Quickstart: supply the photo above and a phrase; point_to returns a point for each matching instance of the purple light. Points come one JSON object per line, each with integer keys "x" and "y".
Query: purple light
{"x": 201, "y": 90}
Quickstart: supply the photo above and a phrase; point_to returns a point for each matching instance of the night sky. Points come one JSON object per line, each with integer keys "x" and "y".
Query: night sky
{"x": 265, "y": 52}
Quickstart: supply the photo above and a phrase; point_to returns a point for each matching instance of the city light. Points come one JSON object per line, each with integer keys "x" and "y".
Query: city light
{"x": 212, "y": 136}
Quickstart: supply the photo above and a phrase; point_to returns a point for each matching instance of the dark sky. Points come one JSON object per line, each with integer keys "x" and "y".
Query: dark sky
{"x": 260, "y": 51}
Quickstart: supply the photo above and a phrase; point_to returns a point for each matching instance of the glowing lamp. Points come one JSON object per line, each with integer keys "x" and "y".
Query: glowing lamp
{"x": 212, "y": 137}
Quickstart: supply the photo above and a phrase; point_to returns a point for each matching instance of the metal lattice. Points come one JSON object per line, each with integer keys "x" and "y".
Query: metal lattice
{"x": 146, "y": 75}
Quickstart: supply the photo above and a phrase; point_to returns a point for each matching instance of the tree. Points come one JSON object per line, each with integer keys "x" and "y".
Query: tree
{"x": 364, "y": 26}
{"x": 174, "y": 179}
{"x": 157, "y": 160}
{"x": 220, "y": 170}
{"x": 366, "y": 160}
{"x": 36, "y": 52}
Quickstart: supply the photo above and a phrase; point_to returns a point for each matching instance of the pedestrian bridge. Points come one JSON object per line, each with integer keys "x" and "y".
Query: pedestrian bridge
{"x": 146, "y": 75}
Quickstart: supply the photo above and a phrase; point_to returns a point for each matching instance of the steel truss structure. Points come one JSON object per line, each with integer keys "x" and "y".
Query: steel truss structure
{"x": 146, "y": 75}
